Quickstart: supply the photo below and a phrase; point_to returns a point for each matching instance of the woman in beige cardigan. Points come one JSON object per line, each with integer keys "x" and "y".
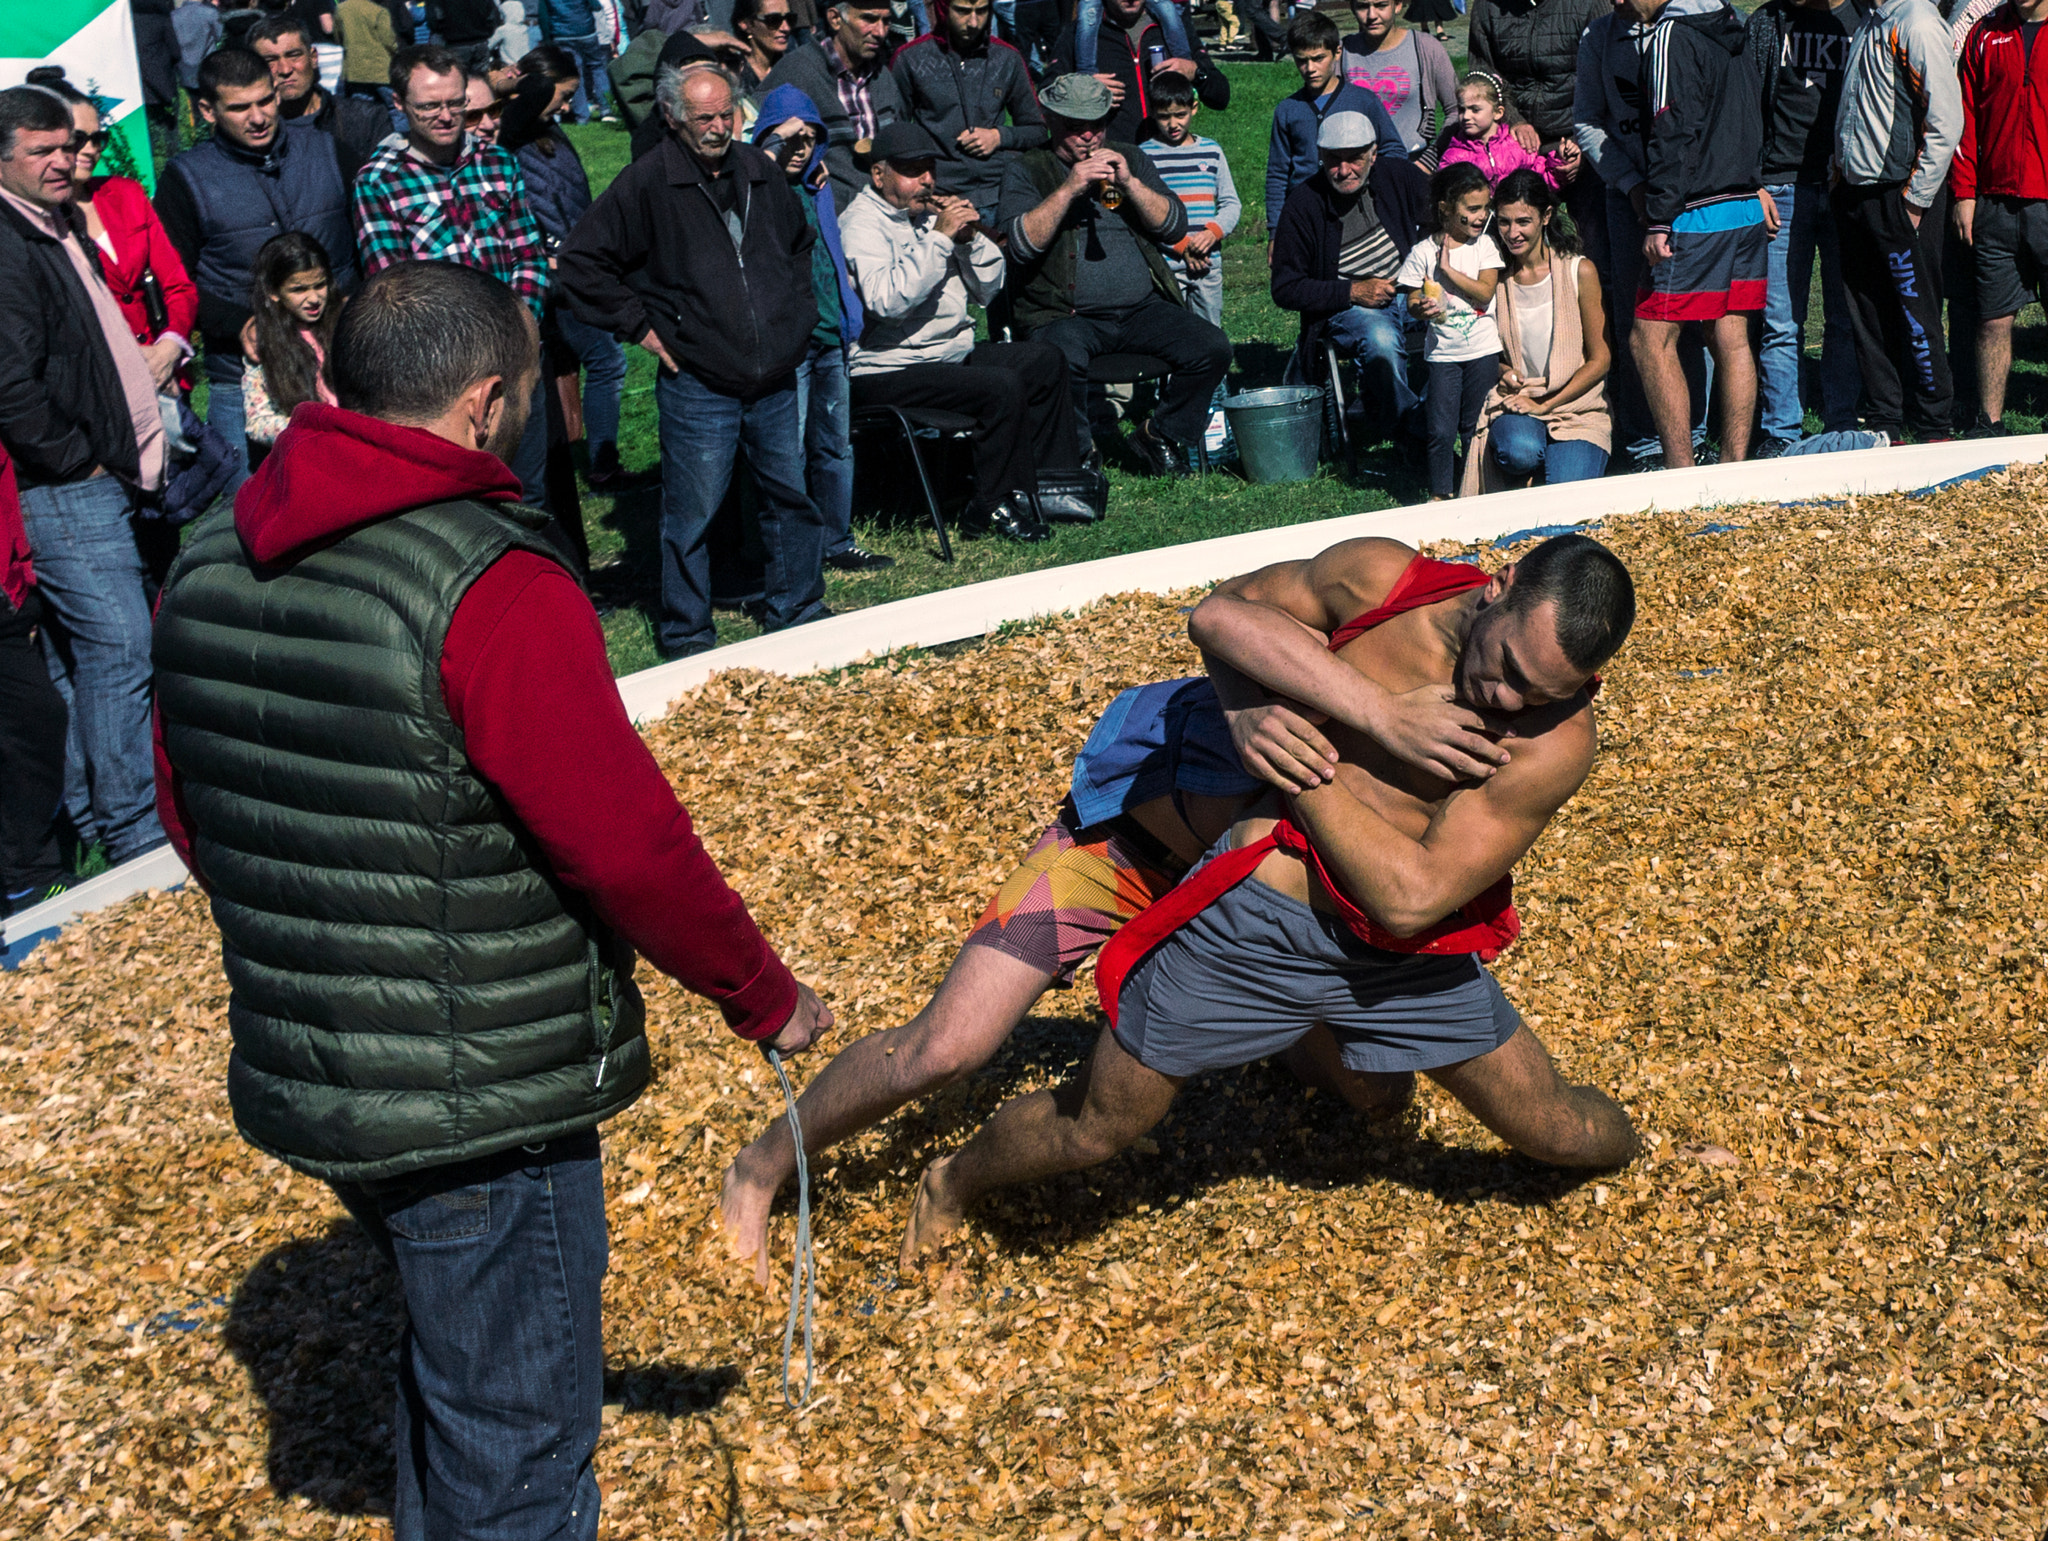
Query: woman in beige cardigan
{"x": 1549, "y": 411}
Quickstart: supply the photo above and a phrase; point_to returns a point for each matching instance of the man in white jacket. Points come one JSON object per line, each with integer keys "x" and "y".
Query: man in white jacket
{"x": 919, "y": 260}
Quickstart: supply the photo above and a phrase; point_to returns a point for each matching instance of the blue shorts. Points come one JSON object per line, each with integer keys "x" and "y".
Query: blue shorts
{"x": 1256, "y": 970}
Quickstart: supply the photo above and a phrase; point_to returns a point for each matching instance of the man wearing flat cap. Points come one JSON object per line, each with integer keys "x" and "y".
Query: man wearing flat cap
{"x": 1086, "y": 217}
{"x": 1340, "y": 241}
{"x": 920, "y": 259}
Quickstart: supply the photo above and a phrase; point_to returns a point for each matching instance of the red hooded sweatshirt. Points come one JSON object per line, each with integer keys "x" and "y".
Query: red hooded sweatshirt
{"x": 525, "y": 677}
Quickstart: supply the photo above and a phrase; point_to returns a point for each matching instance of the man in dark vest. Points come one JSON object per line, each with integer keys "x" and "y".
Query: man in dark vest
{"x": 257, "y": 176}
{"x": 1085, "y": 218}
{"x": 393, "y": 753}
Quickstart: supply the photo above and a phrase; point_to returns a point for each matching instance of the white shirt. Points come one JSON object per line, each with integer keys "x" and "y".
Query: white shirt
{"x": 915, "y": 285}
{"x": 1462, "y": 333}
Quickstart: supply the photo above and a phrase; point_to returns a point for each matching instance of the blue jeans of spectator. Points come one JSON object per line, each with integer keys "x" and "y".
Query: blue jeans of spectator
{"x": 1806, "y": 228}
{"x": 530, "y": 460}
{"x": 1376, "y": 340}
{"x": 702, "y": 432}
{"x": 592, "y": 94}
{"x": 1456, "y": 393}
{"x": 823, "y": 407}
{"x": 1522, "y": 446}
{"x": 1633, "y": 428}
{"x": 604, "y": 375}
{"x": 1088, "y": 29}
{"x": 501, "y": 1370}
{"x": 90, "y": 572}
{"x": 225, "y": 414}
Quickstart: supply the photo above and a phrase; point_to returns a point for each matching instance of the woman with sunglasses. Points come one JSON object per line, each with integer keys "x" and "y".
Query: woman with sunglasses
{"x": 768, "y": 28}
{"x": 158, "y": 298}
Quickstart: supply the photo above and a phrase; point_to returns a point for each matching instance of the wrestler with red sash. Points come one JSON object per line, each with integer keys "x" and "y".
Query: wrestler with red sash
{"x": 1346, "y": 924}
{"x": 1164, "y": 773}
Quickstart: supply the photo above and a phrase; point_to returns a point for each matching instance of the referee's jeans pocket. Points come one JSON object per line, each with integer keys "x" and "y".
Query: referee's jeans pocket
{"x": 452, "y": 1214}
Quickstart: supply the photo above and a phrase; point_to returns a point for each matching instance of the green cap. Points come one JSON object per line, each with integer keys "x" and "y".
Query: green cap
{"x": 1077, "y": 98}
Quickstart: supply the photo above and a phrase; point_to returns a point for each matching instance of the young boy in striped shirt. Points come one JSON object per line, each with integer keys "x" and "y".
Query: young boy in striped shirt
{"x": 1195, "y": 169}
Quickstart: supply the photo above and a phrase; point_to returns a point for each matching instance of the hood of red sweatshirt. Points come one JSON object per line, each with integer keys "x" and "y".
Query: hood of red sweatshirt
{"x": 333, "y": 471}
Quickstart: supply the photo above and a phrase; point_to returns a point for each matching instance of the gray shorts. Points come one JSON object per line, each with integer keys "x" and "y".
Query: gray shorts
{"x": 1256, "y": 970}
{"x": 2012, "y": 254}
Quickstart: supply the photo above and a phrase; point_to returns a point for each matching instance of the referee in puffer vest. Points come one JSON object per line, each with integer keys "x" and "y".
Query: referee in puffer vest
{"x": 391, "y": 749}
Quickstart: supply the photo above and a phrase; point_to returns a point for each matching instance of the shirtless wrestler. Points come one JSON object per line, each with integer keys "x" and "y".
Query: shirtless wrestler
{"x": 1166, "y": 771}
{"x": 1347, "y": 924}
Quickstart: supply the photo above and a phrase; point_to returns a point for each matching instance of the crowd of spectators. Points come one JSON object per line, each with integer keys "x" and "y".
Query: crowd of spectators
{"x": 1594, "y": 252}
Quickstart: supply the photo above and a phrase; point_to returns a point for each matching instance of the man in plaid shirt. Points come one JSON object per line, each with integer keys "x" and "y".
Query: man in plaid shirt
{"x": 442, "y": 195}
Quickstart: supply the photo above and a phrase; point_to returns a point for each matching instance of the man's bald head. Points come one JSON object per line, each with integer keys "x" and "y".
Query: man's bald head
{"x": 702, "y": 107}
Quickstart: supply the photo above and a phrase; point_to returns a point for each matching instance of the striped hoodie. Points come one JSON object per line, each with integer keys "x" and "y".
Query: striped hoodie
{"x": 1902, "y": 111}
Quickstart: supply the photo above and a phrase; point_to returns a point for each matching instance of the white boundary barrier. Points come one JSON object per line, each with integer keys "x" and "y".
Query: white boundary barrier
{"x": 952, "y": 615}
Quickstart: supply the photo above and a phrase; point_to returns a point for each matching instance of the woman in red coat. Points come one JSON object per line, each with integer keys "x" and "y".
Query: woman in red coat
{"x": 131, "y": 242}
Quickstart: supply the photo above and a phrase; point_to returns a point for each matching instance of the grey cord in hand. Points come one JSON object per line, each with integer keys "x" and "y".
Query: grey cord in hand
{"x": 803, "y": 1279}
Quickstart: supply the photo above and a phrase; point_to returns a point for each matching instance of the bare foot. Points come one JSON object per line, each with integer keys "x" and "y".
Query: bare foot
{"x": 934, "y": 1215}
{"x": 743, "y": 1216}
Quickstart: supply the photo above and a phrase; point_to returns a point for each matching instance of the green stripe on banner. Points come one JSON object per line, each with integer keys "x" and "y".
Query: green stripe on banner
{"x": 95, "y": 42}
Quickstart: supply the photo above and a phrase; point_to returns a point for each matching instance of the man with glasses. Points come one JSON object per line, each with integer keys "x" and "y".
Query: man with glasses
{"x": 844, "y": 74}
{"x": 700, "y": 252}
{"x": 768, "y": 28}
{"x": 355, "y": 125}
{"x": 256, "y": 176}
{"x": 958, "y": 84}
{"x": 445, "y": 194}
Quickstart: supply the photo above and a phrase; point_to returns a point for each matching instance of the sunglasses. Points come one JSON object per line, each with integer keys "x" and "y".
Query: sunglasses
{"x": 98, "y": 141}
{"x": 777, "y": 22}
{"x": 472, "y": 119}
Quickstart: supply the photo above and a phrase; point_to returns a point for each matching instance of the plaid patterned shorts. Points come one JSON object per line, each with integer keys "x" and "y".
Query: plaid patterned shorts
{"x": 1073, "y": 891}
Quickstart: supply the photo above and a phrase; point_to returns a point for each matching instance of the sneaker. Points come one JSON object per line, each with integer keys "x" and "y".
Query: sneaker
{"x": 1708, "y": 454}
{"x": 1985, "y": 428}
{"x": 858, "y": 559}
{"x": 42, "y": 893}
{"x": 1768, "y": 448}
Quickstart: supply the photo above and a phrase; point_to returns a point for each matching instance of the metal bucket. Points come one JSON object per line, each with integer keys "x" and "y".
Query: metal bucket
{"x": 1279, "y": 431}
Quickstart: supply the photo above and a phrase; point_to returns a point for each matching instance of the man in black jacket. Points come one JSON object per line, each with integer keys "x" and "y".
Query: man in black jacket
{"x": 1129, "y": 51}
{"x": 957, "y": 83}
{"x": 356, "y": 124}
{"x": 700, "y": 253}
{"x": 1342, "y": 237}
{"x": 255, "y": 177}
{"x": 78, "y": 416}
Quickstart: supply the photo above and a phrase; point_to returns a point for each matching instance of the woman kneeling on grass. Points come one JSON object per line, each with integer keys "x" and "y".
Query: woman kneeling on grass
{"x": 1548, "y": 414}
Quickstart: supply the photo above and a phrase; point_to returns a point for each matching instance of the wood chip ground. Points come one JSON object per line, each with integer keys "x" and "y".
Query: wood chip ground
{"x": 1795, "y": 921}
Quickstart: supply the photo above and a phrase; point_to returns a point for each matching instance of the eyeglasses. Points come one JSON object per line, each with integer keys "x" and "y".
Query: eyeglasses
{"x": 434, "y": 109}
{"x": 476, "y": 115}
{"x": 79, "y": 141}
{"x": 775, "y": 23}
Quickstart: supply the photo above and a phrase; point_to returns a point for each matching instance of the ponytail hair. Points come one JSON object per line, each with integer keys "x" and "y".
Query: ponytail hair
{"x": 1526, "y": 186}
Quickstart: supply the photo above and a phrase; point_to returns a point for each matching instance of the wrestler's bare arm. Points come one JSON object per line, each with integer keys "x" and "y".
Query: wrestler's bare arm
{"x": 1475, "y": 839}
{"x": 1267, "y": 634}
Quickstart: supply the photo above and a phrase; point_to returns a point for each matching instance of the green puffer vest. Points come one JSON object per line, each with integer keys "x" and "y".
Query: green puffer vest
{"x": 409, "y": 984}
{"x": 1045, "y": 289}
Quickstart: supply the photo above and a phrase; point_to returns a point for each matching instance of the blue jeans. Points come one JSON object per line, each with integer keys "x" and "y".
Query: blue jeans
{"x": 823, "y": 407}
{"x": 1522, "y": 446}
{"x": 90, "y": 572}
{"x": 1377, "y": 340}
{"x": 604, "y": 375}
{"x": 501, "y": 1370}
{"x": 1633, "y": 429}
{"x": 702, "y": 431}
{"x": 591, "y": 91}
{"x": 530, "y": 457}
{"x": 225, "y": 414}
{"x": 1088, "y": 28}
{"x": 1805, "y": 225}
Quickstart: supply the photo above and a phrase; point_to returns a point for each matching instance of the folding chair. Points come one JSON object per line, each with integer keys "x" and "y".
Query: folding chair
{"x": 913, "y": 423}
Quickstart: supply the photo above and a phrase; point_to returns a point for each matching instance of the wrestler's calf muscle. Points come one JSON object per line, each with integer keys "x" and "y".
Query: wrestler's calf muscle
{"x": 1517, "y": 1093}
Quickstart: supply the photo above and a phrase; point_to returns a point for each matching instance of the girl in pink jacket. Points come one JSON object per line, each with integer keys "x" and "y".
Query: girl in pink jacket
{"x": 1480, "y": 133}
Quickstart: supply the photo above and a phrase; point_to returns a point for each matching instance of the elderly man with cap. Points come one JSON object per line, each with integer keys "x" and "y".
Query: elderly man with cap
{"x": 919, "y": 259}
{"x": 1086, "y": 218}
{"x": 1341, "y": 238}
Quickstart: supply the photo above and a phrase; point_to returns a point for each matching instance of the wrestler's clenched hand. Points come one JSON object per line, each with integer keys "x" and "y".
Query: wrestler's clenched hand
{"x": 1279, "y": 744}
{"x": 806, "y": 1024}
{"x": 1431, "y": 731}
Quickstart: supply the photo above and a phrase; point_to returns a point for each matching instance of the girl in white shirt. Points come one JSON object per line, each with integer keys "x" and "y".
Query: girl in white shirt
{"x": 1450, "y": 279}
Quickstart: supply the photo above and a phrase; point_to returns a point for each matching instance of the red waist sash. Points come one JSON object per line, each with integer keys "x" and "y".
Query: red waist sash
{"x": 1486, "y": 924}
